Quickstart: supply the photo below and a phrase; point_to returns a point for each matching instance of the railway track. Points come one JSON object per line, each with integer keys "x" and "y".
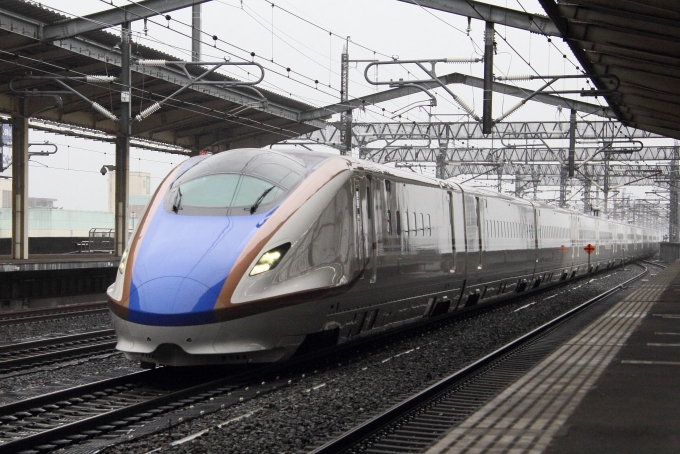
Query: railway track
{"x": 52, "y": 313}
{"x": 14, "y": 357}
{"x": 415, "y": 423}
{"x": 130, "y": 406}
{"x": 107, "y": 407}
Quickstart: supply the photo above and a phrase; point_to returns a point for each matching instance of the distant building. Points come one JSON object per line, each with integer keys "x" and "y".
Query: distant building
{"x": 46, "y": 220}
{"x": 139, "y": 193}
{"x": 33, "y": 202}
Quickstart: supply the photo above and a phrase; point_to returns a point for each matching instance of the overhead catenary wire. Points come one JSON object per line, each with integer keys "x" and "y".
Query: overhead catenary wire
{"x": 203, "y": 42}
{"x": 378, "y": 113}
{"x": 243, "y": 50}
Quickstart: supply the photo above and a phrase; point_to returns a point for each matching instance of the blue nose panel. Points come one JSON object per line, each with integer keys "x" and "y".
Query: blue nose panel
{"x": 182, "y": 264}
{"x": 191, "y": 304}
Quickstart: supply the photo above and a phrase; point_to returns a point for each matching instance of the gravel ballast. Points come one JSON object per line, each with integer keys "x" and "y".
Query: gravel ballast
{"x": 23, "y": 332}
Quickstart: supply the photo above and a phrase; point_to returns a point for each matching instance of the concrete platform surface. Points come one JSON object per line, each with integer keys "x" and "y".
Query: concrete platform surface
{"x": 613, "y": 388}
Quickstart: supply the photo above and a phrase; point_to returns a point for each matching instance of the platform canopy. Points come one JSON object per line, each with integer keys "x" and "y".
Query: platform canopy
{"x": 638, "y": 42}
{"x": 36, "y": 41}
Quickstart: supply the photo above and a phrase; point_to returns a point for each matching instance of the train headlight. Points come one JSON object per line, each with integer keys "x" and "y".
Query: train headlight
{"x": 270, "y": 259}
{"x": 123, "y": 262}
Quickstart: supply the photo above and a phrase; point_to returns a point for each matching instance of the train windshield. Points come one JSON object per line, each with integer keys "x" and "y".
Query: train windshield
{"x": 226, "y": 190}
{"x": 234, "y": 184}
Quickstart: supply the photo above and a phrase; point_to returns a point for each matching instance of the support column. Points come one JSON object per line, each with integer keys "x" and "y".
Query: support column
{"x": 586, "y": 192}
{"x": 674, "y": 211}
{"x": 606, "y": 183}
{"x": 441, "y": 164}
{"x": 572, "y": 142}
{"x": 564, "y": 173}
{"x": 442, "y": 156}
{"x": 20, "y": 183}
{"x": 196, "y": 33}
{"x": 487, "y": 121}
{"x": 123, "y": 145}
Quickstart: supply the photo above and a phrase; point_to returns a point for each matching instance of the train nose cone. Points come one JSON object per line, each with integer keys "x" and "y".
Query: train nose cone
{"x": 172, "y": 301}
{"x": 182, "y": 264}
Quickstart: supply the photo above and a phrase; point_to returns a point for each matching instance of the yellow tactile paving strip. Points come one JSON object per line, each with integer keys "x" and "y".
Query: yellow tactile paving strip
{"x": 527, "y": 414}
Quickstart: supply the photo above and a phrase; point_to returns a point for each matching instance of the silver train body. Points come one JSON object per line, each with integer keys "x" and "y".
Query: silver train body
{"x": 348, "y": 248}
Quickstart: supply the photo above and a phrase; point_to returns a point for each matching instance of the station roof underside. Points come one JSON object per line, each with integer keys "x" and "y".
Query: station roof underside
{"x": 213, "y": 117}
{"x": 638, "y": 42}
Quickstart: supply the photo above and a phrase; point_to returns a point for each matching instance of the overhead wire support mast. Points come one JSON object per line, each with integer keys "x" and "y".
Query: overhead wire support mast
{"x": 61, "y": 80}
{"x": 419, "y": 82}
{"x": 123, "y": 145}
{"x": 199, "y": 80}
{"x": 489, "y": 47}
{"x": 551, "y": 80}
{"x": 345, "y": 116}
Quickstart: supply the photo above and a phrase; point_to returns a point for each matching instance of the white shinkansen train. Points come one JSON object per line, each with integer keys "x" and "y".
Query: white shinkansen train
{"x": 244, "y": 255}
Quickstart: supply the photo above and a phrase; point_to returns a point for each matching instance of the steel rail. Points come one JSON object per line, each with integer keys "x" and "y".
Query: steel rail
{"x": 378, "y": 422}
{"x": 33, "y": 353}
{"x": 8, "y": 348}
{"x": 654, "y": 263}
{"x": 172, "y": 399}
{"x": 52, "y": 313}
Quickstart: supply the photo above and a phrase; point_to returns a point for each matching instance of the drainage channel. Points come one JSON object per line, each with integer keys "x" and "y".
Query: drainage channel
{"x": 416, "y": 423}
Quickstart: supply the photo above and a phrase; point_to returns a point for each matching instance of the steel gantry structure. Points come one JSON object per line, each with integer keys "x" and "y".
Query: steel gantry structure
{"x": 366, "y": 133}
{"x": 604, "y": 156}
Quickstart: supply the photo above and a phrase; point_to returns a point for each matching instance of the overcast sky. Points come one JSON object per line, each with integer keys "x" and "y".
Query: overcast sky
{"x": 308, "y": 36}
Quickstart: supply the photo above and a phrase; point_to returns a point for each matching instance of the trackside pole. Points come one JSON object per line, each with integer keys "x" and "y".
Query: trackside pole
{"x": 589, "y": 250}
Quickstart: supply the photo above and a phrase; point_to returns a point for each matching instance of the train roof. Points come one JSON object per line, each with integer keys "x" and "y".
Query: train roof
{"x": 314, "y": 158}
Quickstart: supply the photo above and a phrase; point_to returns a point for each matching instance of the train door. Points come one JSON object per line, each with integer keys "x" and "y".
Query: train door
{"x": 374, "y": 211}
{"x": 458, "y": 235}
{"x": 452, "y": 232}
{"x": 574, "y": 237}
{"x": 473, "y": 233}
{"x": 361, "y": 224}
{"x": 533, "y": 235}
{"x": 615, "y": 238}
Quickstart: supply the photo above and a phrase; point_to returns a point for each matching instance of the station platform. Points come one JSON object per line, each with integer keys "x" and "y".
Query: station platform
{"x": 612, "y": 388}
{"x": 51, "y": 280}
{"x": 40, "y": 262}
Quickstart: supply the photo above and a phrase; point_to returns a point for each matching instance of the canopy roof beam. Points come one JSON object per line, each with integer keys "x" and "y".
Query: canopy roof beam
{"x": 112, "y": 17}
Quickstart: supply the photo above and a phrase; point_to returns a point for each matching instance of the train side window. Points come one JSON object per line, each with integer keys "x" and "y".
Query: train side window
{"x": 429, "y": 226}
{"x": 407, "y": 230}
{"x": 398, "y": 223}
{"x": 415, "y": 224}
{"x": 369, "y": 206}
{"x": 388, "y": 186}
{"x": 389, "y": 222}
{"x": 358, "y": 200}
{"x": 422, "y": 224}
